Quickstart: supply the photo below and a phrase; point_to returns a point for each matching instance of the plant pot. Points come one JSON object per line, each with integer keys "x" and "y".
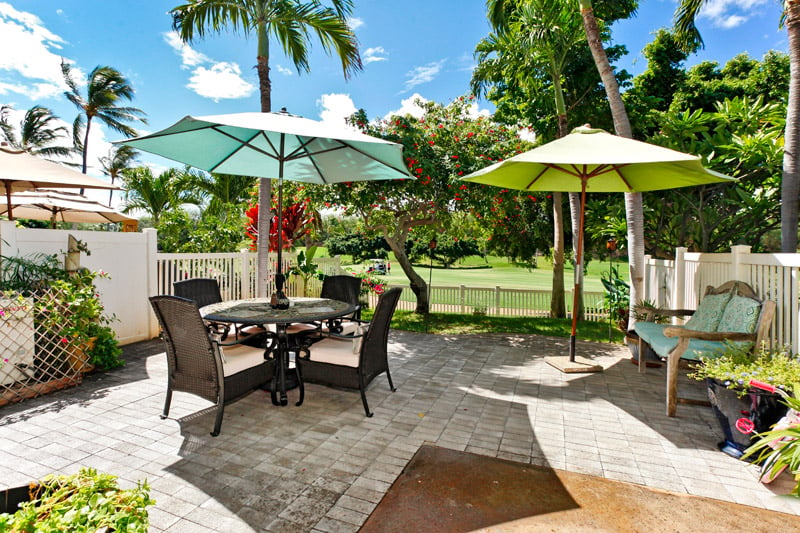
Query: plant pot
{"x": 12, "y": 497}
{"x": 762, "y": 408}
{"x": 651, "y": 358}
{"x": 78, "y": 356}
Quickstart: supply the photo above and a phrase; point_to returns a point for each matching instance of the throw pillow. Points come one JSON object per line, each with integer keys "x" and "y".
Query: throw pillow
{"x": 709, "y": 313}
{"x": 741, "y": 315}
{"x": 358, "y": 340}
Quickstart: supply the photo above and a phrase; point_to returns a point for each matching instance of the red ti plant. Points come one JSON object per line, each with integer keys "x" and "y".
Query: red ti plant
{"x": 296, "y": 223}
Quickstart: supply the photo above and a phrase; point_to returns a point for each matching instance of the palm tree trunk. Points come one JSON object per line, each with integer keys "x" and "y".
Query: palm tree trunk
{"x": 86, "y": 144}
{"x": 790, "y": 183}
{"x": 633, "y": 201}
{"x": 575, "y": 217}
{"x": 558, "y": 307}
{"x": 264, "y": 184}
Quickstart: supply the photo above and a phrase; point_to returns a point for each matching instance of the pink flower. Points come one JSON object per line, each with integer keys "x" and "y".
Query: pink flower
{"x": 64, "y": 340}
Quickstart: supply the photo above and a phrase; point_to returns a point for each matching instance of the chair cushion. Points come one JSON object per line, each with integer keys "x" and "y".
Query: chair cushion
{"x": 709, "y": 313}
{"x": 358, "y": 340}
{"x": 334, "y": 352}
{"x": 653, "y": 335}
{"x": 240, "y": 357}
{"x": 741, "y": 315}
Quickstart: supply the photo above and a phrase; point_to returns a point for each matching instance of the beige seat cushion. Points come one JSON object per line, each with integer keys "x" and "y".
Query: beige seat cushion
{"x": 335, "y": 352}
{"x": 240, "y": 357}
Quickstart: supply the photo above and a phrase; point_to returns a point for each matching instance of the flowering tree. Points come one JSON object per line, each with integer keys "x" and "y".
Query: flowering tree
{"x": 442, "y": 145}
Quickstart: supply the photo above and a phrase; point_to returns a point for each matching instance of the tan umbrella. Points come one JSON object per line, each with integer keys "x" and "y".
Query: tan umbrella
{"x": 62, "y": 206}
{"x": 20, "y": 171}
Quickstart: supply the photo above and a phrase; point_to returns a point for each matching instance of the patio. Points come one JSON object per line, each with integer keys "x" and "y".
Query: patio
{"x": 324, "y": 466}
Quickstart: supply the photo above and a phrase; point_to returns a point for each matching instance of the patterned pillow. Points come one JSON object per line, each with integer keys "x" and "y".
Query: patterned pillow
{"x": 741, "y": 315}
{"x": 709, "y": 313}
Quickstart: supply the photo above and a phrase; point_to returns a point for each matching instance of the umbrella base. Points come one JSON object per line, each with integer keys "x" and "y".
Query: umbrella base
{"x": 579, "y": 365}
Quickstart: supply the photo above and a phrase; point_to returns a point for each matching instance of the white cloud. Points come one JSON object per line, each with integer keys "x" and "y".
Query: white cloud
{"x": 355, "y": 23}
{"x": 372, "y": 55}
{"x": 221, "y": 80}
{"x": 410, "y": 106}
{"x": 473, "y": 111}
{"x": 189, "y": 56}
{"x": 423, "y": 74}
{"x": 283, "y": 70}
{"x": 209, "y": 78}
{"x": 730, "y": 14}
{"x": 28, "y": 55}
{"x": 335, "y": 108}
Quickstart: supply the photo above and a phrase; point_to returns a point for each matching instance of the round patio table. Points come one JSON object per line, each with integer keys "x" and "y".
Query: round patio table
{"x": 258, "y": 312}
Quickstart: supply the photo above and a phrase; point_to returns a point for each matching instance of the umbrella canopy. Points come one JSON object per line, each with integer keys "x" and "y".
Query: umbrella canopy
{"x": 61, "y": 206}
{"x": 276, "y": 145}
{"x": 593, "y": 160}
{"x": 20, "y": 171}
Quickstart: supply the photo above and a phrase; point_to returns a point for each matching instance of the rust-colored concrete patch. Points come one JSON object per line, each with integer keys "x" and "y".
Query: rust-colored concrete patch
{"x": 444, "y": 490}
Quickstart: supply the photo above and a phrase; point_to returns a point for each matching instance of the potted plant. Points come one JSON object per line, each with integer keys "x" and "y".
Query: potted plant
{"x": 779, "y": 448}
{"x": 728, "y": 379}
{"x": 86, "y": 501}
{"x": 616, "y": 302}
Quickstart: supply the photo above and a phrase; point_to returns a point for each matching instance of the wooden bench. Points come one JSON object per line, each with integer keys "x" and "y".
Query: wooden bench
{"x": 731, "y": 312}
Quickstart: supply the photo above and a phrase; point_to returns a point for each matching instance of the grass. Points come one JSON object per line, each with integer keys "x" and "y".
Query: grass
{"x": 458, "y": 324}
{"x": 495, "y": 271}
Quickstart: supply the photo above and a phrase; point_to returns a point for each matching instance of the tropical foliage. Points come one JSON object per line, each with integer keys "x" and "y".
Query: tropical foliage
{"x": 37, "y": 134}
{"x": 106, "y": 87}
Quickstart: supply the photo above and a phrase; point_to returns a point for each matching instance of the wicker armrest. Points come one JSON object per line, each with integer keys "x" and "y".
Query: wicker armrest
{"x": 709, "y": 335}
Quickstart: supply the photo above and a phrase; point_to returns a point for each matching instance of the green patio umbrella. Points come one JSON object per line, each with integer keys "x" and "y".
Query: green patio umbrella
{"x": 276, "y": 145}
{"x": 593, "y": 160}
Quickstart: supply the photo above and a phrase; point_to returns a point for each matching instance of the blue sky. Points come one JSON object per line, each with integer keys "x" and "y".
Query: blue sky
{"x": 410, "y": 48}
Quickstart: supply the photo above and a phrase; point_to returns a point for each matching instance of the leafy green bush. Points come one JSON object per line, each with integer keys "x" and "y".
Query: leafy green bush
{"x": 86, "y": 501}
{"x": 737, "y": 366}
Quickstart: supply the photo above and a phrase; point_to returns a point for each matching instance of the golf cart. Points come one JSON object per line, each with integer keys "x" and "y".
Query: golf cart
{"x": 377, "y": 266}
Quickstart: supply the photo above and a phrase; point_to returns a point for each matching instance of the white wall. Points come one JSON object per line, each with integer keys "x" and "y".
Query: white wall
{"x": 126, "y": 257}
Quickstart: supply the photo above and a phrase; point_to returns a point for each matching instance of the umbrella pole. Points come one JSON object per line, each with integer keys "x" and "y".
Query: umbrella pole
{"x": 564, "y": 363}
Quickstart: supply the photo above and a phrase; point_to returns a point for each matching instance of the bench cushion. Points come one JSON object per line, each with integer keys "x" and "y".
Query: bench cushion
{"x": 653, "y": 334}
{"x": 239, "y": 357}
{"x": 709, "y": 312}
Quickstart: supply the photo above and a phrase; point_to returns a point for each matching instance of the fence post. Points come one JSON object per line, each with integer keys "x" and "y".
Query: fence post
{"x": 244, "y": 274}
{"x": 151, "y": 264}
{"x": 497, "y": 299}
{"x": 462, "y": 294}
{"x": 678, "y": 288}
{"x": 737, "y": 259}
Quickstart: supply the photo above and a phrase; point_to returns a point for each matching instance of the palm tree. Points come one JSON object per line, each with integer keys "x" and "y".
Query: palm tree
{"x": 105, "y": 88}
{"x": 37, "y": 132}
{"x": 544, "y": 33}
{"x": 290, "y": 22}
{"x": 222, "y": 191}
{"x": 156, "y": 195}
{"x": 634, "y": 209}
{"x": 119, "y": 158}
{"x": 685, "y": 16}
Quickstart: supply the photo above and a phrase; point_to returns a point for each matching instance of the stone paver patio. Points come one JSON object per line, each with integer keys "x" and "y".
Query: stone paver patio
{"x": 325, "y": 466}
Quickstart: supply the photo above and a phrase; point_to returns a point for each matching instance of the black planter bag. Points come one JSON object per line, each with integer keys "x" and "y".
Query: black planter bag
{"x": 762, "y": 408}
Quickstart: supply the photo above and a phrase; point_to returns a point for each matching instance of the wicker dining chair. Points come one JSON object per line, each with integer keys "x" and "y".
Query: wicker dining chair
{"x": 218, "y": 372}
{"x": 352, "y": 361}
{"x": 346, "y": 289}
{"x": 204, "y": 291}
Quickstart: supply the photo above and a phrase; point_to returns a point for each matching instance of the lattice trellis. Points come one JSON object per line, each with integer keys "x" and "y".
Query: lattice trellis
{"x": 37, "y": 358}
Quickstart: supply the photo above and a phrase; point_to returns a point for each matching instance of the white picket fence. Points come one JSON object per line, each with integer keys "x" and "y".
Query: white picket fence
{"x": 235, "y": 273}
{"x": 497, "y": 301}
{"x": 679, "y": 283}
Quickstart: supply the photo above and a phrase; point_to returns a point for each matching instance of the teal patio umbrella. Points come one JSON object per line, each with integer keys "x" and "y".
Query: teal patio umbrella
{"x": 593, "y": 160}
{"x": 276, "y": 145}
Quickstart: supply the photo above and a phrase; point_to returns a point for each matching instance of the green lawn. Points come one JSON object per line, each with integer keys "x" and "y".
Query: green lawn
{"x": 501, "y": 272}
